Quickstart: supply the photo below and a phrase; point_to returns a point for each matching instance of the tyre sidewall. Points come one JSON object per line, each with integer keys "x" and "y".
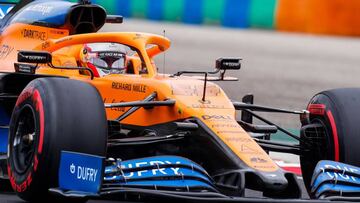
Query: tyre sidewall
{"x": 29, "y": 182}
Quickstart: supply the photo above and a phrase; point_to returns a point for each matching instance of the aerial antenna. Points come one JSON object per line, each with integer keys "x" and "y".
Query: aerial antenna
{"x": 164, "y": 55}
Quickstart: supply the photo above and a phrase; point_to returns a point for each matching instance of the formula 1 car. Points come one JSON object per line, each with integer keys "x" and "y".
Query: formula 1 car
{"x": 69, "y": 133}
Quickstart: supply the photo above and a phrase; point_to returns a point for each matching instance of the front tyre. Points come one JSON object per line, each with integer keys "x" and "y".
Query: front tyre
{"x": 51, "y": 115}
{"x": 333, "y": 132}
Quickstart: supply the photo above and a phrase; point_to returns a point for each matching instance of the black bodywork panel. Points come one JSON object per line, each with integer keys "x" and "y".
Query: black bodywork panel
{"x": 79, "y": 18}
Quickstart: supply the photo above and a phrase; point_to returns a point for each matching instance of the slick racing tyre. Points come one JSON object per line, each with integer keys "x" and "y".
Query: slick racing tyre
{"x": 51, "y": 115}
{"x": 333, "y": 132}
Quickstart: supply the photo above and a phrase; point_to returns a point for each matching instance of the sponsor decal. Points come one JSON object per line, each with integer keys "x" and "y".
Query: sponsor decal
{"x": 129, "y": 87}
{"x": 231, "y": 64}
{"x": 58, "y": 32}
{"x": 158, "y": 171}
{"x": 34, "y": 57}
{"x": 34, "y": 34}
{"x": 139, "y": 88}
{"x": 69, "y": 64}
{"x": 5, "y": 9}
{"x": 225, "y": 125}
{"x": 45, "y": 45}
{"x": 264, "y": 166}
{"x": 207, "y": 106}
{"x": 341, "y": 173}
{"x": 41, "y": 8}
{"x": 121, "y": 86}
{"x": 248, "y": 150}
{"x": 217, "y": 117}
{"x": 195, "y": 90}
{"x": 72, "y": 168}
{"x": 5, "y": 51}
{"x": 154, "y": 172}
{"x": 230, "y": 131}
{"x": 23, "y": 185}
{"x": 111, "y": 54}
{"x": 80, "y": 172}
{"x": 121, "y": 109}
{"x": 63, "y": 40}
{"x": 138, "y": 36}
{"x": 24, "y": 68}
{"x": 84, "y": 173}
{"x": 238, "y": 139}
{"x": 258, "y": 160}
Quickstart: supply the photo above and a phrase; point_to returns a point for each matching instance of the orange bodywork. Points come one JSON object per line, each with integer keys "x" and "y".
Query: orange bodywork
{"x": 217, "y": 112}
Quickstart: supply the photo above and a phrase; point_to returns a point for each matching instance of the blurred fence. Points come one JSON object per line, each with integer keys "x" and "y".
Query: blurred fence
{"x": 341, "y": 17}
{"x": 231, "y": 13}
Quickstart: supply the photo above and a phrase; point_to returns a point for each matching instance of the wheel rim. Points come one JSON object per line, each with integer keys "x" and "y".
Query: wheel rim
{"x": 322, "y": 144}
{"x": 23, "y": 146}
{"x": 319, "y": 149}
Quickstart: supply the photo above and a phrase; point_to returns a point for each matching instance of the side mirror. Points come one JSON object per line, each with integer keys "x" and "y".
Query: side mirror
{"x": 114, "y": 19}
{"x": 228, "y": 63}
{"x": 34, "y": 57}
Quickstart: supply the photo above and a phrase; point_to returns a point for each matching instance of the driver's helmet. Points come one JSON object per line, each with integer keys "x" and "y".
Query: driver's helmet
{"x": 104, "y": 58}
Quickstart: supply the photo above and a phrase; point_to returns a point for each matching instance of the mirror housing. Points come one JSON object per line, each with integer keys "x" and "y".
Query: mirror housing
{"x": 114, "y": 19}
{"x": 228, "y": 63}
{"x": 34, "y": 57}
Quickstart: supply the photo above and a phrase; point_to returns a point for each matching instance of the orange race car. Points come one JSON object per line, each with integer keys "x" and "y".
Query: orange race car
{"x": 87, "y": 115}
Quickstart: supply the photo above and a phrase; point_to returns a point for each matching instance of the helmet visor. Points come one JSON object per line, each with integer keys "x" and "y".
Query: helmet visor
{"x": 111, "y": 61}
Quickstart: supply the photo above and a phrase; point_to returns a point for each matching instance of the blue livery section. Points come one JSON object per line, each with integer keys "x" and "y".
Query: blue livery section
{"x": 52, "y": 13}
{"x": 80, "y": 172}
{"x": 185, "y": 184}
{"x": 163, "y": 172}
{"x": 335, "y": 170}
{"x": 160, "y": 173}
{"x": 154, "y": 162}
{"x": 5, "y": 8}
{"x": 328, "y": 190}
{"x": 4, "y": 130}
{"x": 335, "y": 178}
{"x": 332, "y": 178}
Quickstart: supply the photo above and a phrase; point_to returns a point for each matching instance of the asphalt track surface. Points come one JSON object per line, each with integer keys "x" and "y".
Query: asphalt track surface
{"x": 281, "y": 69}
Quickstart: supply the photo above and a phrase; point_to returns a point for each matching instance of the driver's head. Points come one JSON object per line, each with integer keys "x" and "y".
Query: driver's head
{"x": 104, "y": 58}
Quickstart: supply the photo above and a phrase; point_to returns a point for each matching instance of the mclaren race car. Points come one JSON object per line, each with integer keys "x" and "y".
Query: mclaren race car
{"x": 86, "y": 115}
